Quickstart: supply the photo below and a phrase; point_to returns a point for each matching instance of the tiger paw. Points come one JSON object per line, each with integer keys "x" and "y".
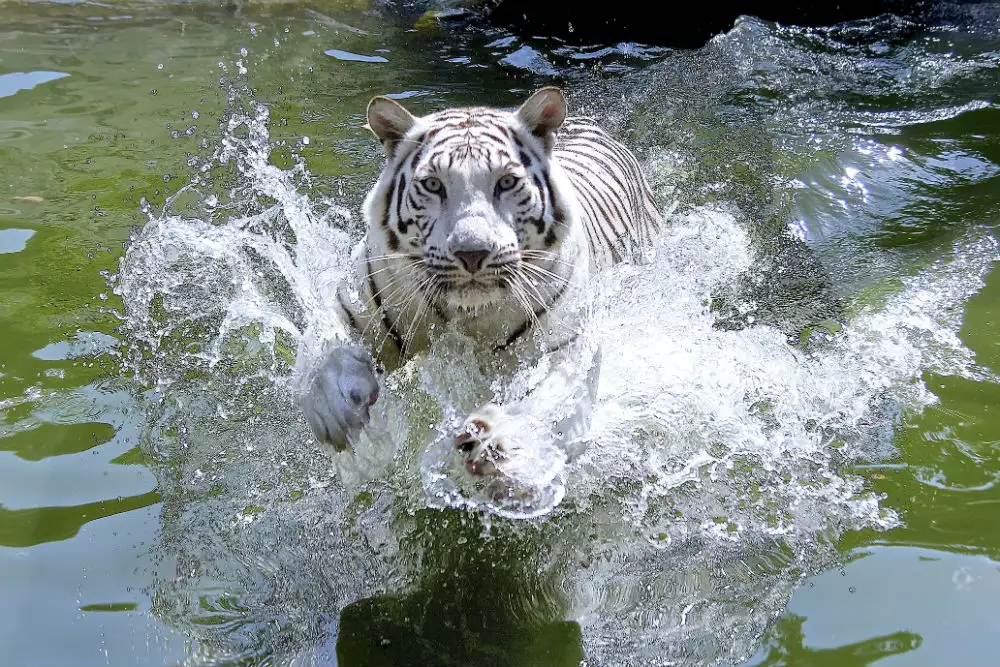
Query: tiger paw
{"x": 514, "y": 462}
{"x": 339, "y": 397}
{"x": 480, "y": 444}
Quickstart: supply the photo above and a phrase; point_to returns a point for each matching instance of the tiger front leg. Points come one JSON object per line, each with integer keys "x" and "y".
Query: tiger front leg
{"x": 480, "y": 442}
{"x": 338, "y": 399}
{"x": 513, "y": 440}
{"x": 510, "y": 452}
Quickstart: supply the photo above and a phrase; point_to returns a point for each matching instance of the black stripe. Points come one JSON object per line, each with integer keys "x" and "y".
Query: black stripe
{"x": 401, "y": 224}
{"x": 604, "y": 198}
{"x": 347, "y": 312}
{"x": 413, "y": 203}
{"x": 388, "y": 208}
{"x": 389, "y": 328}
{"x": 490, "y": 135}
{"x": 526, "y": 149}
{"x": 521, "y": 330}
{"x": 392, "y": 240}
{"x": 417, "y": 154}
{"x": 540, "y": 223}
{"x": 558, "y": 215}
{"x": 608, "y": 156}
{"x": 563, "y": 343}
{"x": 595, "y": 226}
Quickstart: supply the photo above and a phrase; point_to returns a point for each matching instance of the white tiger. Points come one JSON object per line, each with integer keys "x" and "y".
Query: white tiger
{"x": 488, "y": 221}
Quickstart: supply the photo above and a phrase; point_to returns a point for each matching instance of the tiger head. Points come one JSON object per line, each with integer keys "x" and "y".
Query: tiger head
{"x": 471, "y": 201}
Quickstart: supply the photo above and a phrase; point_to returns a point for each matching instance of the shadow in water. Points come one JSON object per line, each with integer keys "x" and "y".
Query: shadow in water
{"x": 787, "y": 648}
{"x": 480, "y": 600}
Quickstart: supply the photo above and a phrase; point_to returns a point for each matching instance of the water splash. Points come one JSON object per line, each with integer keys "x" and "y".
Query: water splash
{"x": 717, "y": 470}
{"x": 730, "y": 453}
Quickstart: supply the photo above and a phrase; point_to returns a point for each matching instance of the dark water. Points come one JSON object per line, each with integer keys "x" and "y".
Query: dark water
{"x": 812, "y": 478}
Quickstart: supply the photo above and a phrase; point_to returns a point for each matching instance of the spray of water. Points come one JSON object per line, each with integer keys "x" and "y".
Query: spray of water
{"x": 716, "y": 467}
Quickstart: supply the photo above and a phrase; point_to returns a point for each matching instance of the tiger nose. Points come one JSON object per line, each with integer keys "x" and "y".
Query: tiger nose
{"x": 472, "y": 260}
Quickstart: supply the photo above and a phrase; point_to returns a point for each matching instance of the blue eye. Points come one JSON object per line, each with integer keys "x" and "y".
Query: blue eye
{"x": 506, "y": 182}
{"x": 432, "y": 184}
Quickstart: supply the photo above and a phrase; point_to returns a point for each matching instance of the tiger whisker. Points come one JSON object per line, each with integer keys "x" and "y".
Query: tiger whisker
{"x": 392, "y": 281}
{"x": 419, "y": 289}
{"x": 409, "y": 289}
{"x": 549, "y": 280}
{"x": 532, "y": 293}
{"x": 521, "y": 296}
{"x": 544, "y": 273}
{"x": 421, "y": 309}
{"x": 546, "y": 255}
{"x": 394, "y": 255}
{"x": 390, "y": 268}
{"x": 394, "y": 284}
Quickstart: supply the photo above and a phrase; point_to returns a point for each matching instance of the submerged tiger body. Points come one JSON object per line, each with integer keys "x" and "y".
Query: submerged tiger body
{"x": 488, "y": 221}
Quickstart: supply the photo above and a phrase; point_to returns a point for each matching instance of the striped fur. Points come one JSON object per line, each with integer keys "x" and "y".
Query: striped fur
{"x": 619, "y": 214}
{"x": 488, "y": 219}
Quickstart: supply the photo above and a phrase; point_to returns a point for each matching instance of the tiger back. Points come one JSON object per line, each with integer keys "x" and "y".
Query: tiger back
{"x": 617, "y": 208}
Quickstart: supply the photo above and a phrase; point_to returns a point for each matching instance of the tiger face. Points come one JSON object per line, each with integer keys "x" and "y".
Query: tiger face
{"x": 470, "y": 200}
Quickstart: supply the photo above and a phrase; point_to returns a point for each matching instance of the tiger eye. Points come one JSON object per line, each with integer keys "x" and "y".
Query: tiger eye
{"x": 432, "y": 184}
{"x": 506, "y": 182}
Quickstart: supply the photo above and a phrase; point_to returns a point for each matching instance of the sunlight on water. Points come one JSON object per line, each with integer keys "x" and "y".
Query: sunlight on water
{"x": 716, "y": 471}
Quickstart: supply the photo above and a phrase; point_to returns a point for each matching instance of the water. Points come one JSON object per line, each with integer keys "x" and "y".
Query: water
{"x": 791, "y": 456}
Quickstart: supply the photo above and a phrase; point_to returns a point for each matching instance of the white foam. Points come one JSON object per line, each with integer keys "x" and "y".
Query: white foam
{"x": 703, "y": 440}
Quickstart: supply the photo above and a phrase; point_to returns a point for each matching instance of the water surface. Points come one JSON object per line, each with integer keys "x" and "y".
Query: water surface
{"x": 794, "y": 457}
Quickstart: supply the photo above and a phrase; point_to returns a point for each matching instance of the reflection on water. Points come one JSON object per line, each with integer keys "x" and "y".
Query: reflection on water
{"x": 15, "y": 81}
{"x": 770, "y": 383}
{"x": 14, "y": 240}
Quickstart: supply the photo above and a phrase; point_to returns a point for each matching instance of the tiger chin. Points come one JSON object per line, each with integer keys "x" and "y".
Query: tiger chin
{"x": 491, "y": 222}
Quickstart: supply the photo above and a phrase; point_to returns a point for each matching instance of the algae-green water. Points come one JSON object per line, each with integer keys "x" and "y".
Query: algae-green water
{"x": 794, "y": 458}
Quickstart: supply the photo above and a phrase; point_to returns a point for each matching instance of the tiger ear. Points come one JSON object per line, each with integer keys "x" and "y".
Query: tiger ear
{"x": 389, "y": 121}
{"x": 544, "y": 112}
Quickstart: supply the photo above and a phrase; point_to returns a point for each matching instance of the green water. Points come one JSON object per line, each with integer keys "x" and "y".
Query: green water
{"x": 102, "y": 105}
